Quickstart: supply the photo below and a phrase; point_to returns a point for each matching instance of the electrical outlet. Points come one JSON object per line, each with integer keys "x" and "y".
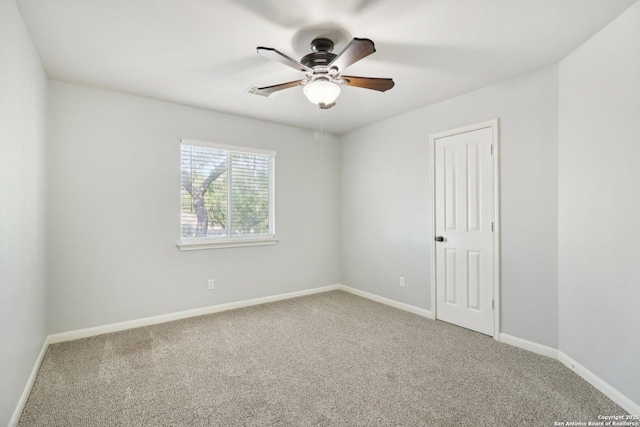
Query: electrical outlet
{"x": 210, "y": 284}
{"x": 402, "y": 282}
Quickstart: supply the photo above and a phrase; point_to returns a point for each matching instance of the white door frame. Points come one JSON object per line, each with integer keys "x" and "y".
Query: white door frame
{"x": 493, "y": 124}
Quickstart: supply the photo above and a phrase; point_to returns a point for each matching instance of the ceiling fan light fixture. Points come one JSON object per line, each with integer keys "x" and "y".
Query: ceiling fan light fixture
{"x": 321, "y": 92}
{"x": 323, "y": 71}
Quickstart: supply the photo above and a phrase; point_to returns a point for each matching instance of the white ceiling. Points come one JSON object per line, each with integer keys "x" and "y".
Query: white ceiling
{"x": 202, "y": 52}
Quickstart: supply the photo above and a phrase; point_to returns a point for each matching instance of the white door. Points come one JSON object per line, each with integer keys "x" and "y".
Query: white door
{"x": 464, "y": 241}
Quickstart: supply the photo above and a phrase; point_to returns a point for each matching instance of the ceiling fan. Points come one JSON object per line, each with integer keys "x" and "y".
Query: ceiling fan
{"x": 322, "y": 68}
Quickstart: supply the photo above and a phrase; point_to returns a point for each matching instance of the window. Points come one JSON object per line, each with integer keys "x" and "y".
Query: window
{"x": 227, "y": 196}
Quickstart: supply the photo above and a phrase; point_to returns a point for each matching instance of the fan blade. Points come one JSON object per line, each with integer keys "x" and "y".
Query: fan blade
{"x": 354, "y": 52}
{"x": 283, "y": 59}
{"x": 380, "y": 85}
{"x": 269, "y": 90}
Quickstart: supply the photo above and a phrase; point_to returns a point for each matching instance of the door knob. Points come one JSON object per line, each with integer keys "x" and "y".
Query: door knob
{"x": 439, "y": 239}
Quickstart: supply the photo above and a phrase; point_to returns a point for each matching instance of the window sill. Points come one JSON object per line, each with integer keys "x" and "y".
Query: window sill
{"x": 195, "y": 246}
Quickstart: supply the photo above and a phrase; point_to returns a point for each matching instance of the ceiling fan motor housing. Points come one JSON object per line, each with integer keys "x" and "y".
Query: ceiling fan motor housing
{"x": 321, "y": 55}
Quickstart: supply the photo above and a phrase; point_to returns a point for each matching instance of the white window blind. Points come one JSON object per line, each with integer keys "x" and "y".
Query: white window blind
{"x": 227, "y": 193}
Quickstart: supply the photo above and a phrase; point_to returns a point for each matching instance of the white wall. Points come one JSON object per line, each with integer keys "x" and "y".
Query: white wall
{"x": 23, "y": 88}
{"x": 386, "y": 219}
{"x": 114, "y": 217}
{"x": 599, "y": 204}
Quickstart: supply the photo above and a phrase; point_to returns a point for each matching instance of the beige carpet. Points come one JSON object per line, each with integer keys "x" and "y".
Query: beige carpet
{"x": 331, "y": 359}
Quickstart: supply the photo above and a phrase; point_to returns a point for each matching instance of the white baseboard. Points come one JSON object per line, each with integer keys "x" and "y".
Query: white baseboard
{"x": 163, "y": 318}
{"x": 529, "y": 345}
{"x": 373, "y": 297}
{"x": 27, "y": 389}
{"x": 147, "y": 321}
{"x": 606, "y": 388}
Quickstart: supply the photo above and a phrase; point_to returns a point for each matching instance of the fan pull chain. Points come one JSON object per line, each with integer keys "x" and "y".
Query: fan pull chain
{"x": 321, "y": 144}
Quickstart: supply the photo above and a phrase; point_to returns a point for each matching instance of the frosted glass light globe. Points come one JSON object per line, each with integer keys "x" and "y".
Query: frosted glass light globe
{"x": 321, "y": 92}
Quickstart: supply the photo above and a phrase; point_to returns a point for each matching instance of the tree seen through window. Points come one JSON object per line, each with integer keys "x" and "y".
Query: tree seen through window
{"x": 224, "y": 193}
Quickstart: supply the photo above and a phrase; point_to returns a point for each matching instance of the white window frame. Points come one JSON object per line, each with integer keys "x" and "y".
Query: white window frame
{"x": 189, "y": 244}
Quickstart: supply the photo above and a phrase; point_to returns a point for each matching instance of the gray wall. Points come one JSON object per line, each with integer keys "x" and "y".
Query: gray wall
{"x": 386, "y": 218}
{"x": 599, "y": 205}
{"x": 114, "y": 218}
{"x": 23, "y": 88}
